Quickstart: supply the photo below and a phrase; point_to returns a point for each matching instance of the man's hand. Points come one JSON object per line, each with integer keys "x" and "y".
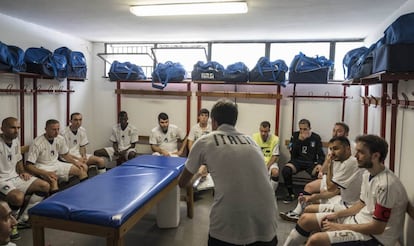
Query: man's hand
{"x": 51, "y": 177}
{"x": 25, "y": 176}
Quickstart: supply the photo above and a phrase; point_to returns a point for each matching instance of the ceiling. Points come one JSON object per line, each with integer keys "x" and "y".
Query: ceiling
{"x": 281, "y": 20}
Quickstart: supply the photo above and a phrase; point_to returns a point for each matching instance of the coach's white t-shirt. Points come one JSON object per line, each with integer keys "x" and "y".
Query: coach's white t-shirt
{"x": 244, "y": 208}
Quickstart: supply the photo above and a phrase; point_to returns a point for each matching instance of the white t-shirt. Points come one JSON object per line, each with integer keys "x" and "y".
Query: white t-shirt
{"x": 386, "y": 190}
{"x": 42, "y": 151}
{"x": 75, "y": 141}
{"x": 166, "y": 141}
{"x": 348, "y": 177}
{"x": 244, "y": 208}
{"x": 125, "y": 137}
{"x": 196, "y": 131}
{"x": 9, "y": 156}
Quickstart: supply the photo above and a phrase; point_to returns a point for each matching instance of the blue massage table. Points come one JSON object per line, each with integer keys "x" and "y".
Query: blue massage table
{"x": 110, "y": 204}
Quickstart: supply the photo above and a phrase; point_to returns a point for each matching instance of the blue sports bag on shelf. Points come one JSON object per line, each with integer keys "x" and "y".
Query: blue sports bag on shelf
{"x": 42, "y": 61}
{"x": 76, "y": 60}
{"x": 401, "y": 31}
{"x": 11, "y": 58}
{"x": 237, "y": 72}
{"x": 125, "y": 71}
{"x": 167, "y": 72}
{"x": 207, "y": 71}
{"x": 269, "y": 71}
{"x": 304, "y": 69}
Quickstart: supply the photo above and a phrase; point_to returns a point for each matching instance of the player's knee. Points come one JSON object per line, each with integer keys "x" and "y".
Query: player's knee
{"x": 287, "y": 171}
{"x": 15, "y": 197}
{"x": 316, "y": 239}
{"x": 132, "y": 155}
{"x": 42, "y": 186}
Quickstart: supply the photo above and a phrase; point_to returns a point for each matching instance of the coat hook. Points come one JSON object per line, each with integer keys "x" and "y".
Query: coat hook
{"x": 406, "y": 102}
{"x": 375, "y": 100}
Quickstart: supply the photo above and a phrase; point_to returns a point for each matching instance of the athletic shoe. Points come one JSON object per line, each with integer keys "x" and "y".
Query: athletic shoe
{"x": 15, "y": 235}
{"x": 289, "y": 198}
{"x": 23, "y": 225}
{"x": 290, "y": 216}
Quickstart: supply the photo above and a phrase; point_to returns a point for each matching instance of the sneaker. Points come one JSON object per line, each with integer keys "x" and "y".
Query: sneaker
{"x": 14, "y": 235}
{"x": 289, "y": 198}
{"x": 23, "y": 225}
{"x": 290, "y": 216}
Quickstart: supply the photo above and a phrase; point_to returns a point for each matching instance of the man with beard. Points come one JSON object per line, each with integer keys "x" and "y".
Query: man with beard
{"x": 7, "y": 223}
{"x": 124, "y": 137}
{"x": 164, "y": 138}
{"x": 376, "y": 219}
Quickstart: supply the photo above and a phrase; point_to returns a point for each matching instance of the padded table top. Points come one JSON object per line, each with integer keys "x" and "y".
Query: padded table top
{"x": 111, "y": 198}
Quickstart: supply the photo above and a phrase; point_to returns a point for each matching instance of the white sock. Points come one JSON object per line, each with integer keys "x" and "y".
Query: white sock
{"x": 274, "y": 185}
{"x": 298, "y": 209}
{"x": 294, "y": 238}
{"x": 101, "y": 170}
{"x": 34, "y": 199}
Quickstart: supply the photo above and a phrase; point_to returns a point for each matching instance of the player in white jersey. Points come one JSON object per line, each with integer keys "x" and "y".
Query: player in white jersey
{"x": 76, "y": 139}
{"x": 376, "y": 219}
{"x": 318, "y": 185}
{"x": 43, "y": 161}
{"x": 124, "y": 137}
{"x": 15, "y": 182}
{"x": 7, "y": 223}
{"x": 203, "y": 127}
{"x": 164, "y": 138}
{"x": 244, "y": 208}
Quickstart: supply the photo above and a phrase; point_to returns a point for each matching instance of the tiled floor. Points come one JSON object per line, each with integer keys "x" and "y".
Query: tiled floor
{"x": 191, "y": 232}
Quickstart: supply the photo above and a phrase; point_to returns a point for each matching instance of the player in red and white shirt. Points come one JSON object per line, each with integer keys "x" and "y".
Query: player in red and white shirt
{"x": 376, "y": 219}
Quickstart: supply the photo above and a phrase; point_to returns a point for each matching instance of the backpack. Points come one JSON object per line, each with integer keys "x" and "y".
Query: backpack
{"x": 401, "y": 31}
{"x": 207, "y": 71}
{"x": 237, "y": 72}
{"x": 76, "y": 61}
{"x": 11, "y": 58}
{"x": 269, "y": 71}
{"x": 166, "y": 72}
{"x": 125, "y": 71}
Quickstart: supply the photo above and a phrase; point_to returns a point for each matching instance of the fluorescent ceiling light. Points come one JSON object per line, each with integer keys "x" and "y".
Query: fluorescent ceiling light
{"x": 203, "y": 8}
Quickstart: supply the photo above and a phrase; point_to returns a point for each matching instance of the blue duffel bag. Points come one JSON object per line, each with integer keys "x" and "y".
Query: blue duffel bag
{"x": 237, "y": 72}
{"x": 304, "y": 69}
{"x": 11, "y": 58}
{"x": 76, "y": 62}
{"x": 401, "y": 31}
{"x": 42, "y": 61}
{"x": 167, "y": 72}
{"x": 211, "y": 70}
{"x": 125, "y": 71}
{"x": 269, "y": 71}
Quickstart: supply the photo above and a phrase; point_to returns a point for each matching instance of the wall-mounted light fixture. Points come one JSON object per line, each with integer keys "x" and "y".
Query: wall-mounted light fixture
{"x": 196, "y": 8}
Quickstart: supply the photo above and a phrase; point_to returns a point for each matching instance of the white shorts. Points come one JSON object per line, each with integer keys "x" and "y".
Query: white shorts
{"x": 273, "y": 166}
{"x": 111, "y": 152}
{"x": 348, "y": 236}
{"x": 334, "y": 204}
{"x": 15, "y": 183}
{"x": 345, "y": 235}
{"x": 61, "y": 169}
{"x": 158, "y": 154}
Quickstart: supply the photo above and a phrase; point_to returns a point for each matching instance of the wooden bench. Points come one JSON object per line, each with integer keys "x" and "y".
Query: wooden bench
{"x": 110, "y": 204}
